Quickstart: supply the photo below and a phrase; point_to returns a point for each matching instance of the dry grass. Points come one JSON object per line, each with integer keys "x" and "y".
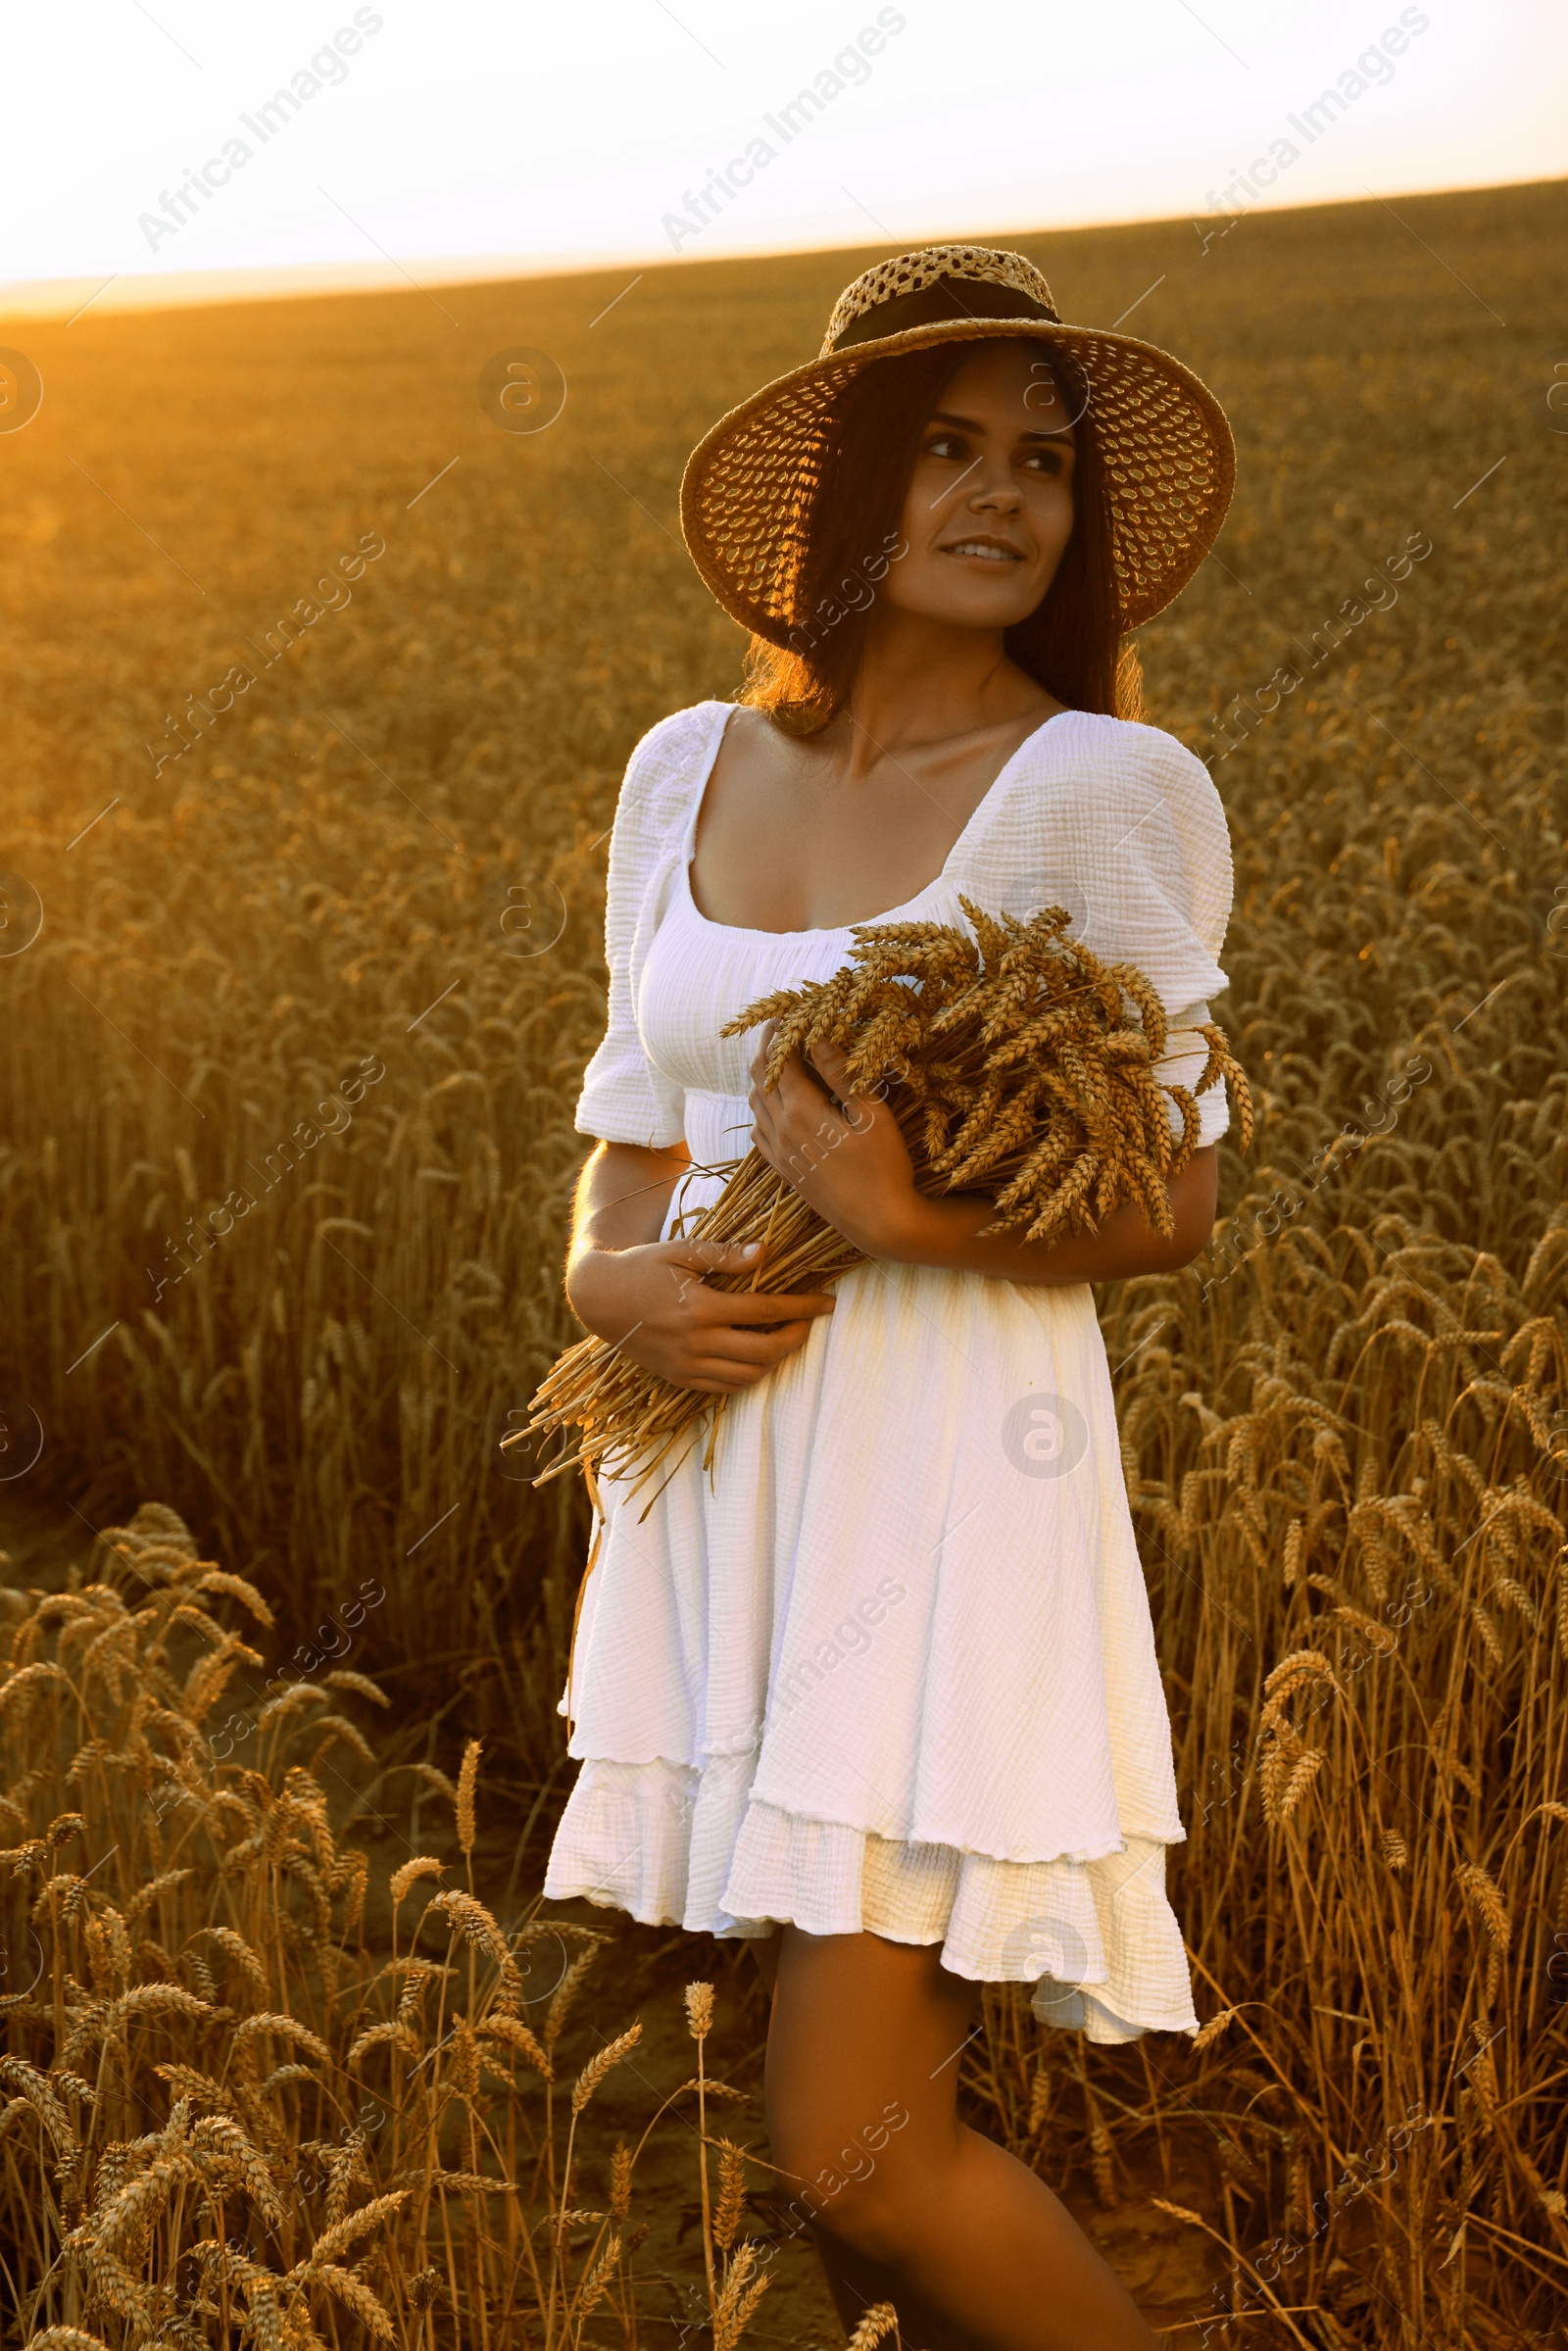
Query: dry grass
{"x": 1370, "y": 1472}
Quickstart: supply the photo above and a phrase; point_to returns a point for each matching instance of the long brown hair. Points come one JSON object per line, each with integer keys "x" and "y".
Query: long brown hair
{"x": 1071, "y": 643}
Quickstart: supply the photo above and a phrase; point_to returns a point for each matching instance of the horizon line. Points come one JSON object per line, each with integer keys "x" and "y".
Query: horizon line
{"x": 50, "y": 299}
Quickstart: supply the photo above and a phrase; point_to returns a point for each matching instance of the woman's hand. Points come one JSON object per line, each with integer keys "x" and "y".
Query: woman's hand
{"x": 849, "y": 1163}
{"x": 653, "y": 1301}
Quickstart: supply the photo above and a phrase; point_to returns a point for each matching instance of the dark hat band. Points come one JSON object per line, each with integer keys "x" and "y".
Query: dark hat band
{"x": 942, "y": 299}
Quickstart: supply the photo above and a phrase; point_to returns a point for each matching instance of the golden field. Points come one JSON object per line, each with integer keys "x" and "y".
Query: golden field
{"x": 363, "y": 907}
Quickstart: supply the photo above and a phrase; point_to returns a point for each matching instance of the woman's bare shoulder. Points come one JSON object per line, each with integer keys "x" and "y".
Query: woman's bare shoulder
{"x": 757, "y": 766}
{"x": 756, "y": 751}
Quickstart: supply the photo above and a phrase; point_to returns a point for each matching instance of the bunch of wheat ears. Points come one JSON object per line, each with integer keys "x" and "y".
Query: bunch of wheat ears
{"x": 1016, "y": 1064}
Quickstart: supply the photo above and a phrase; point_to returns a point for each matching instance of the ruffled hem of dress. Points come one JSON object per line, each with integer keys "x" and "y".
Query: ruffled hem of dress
{"x": 680, "y": 1846}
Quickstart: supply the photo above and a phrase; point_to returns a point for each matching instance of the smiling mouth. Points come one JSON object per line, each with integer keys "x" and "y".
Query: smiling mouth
{"x": 991, "y": 551}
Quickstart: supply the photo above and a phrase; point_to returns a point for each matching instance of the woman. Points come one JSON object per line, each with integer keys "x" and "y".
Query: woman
{"x": 880, "y": 1691}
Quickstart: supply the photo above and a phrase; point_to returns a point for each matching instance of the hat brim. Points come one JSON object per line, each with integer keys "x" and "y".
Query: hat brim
{"x": 1168, "y": 456}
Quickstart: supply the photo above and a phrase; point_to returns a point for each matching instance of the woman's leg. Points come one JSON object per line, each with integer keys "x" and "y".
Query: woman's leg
{"x": 908, "y": 2204}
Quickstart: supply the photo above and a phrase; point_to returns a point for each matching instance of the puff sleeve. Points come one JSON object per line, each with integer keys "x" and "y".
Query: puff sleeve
{"x": 1159, "y": 885}
{"x": 625, "y": 1097}
{"x": 1121, "y": 823}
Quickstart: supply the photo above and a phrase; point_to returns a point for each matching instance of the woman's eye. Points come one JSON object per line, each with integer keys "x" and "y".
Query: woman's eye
{"x": 945, "y": 445}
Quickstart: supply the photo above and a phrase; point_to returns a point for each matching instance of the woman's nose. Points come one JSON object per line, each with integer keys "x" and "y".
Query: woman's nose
{"x": 993, "y": 492}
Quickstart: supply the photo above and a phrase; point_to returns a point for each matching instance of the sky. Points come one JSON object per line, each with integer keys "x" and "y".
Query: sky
{"x": 443, "y": 141}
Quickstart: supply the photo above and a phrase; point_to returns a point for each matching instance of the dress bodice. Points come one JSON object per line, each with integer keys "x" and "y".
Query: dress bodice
{"x": 1117, "y": 821}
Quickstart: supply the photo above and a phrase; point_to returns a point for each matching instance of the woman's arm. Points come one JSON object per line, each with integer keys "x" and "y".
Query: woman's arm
{"x": 649, "y": 1295}
{"x": 853, "y": 1167}
{"x": 946, "y": 1231}
{"x": 621, "y": 1196}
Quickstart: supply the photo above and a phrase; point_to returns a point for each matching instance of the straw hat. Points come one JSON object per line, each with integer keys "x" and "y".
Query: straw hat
{"x": 1169, "y": 459}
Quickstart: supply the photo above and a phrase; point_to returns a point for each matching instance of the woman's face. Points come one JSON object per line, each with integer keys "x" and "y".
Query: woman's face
{"x": 989, "y": 504}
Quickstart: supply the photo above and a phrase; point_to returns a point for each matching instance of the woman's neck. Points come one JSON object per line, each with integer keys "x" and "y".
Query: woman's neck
{"x": 923, "y": 681}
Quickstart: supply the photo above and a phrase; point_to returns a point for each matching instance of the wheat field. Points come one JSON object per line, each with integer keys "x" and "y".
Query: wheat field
{"x": 298, "y": 977}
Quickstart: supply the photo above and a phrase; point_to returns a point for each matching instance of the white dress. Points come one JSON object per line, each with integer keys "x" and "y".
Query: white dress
{"x": 891, "y": 1664}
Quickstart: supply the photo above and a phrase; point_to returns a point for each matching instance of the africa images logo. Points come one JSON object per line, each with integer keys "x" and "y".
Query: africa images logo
{"x": 1044, "y": 1436}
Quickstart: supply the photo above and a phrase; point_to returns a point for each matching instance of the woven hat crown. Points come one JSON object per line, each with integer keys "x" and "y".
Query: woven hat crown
{"x": 910, "y": 272}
